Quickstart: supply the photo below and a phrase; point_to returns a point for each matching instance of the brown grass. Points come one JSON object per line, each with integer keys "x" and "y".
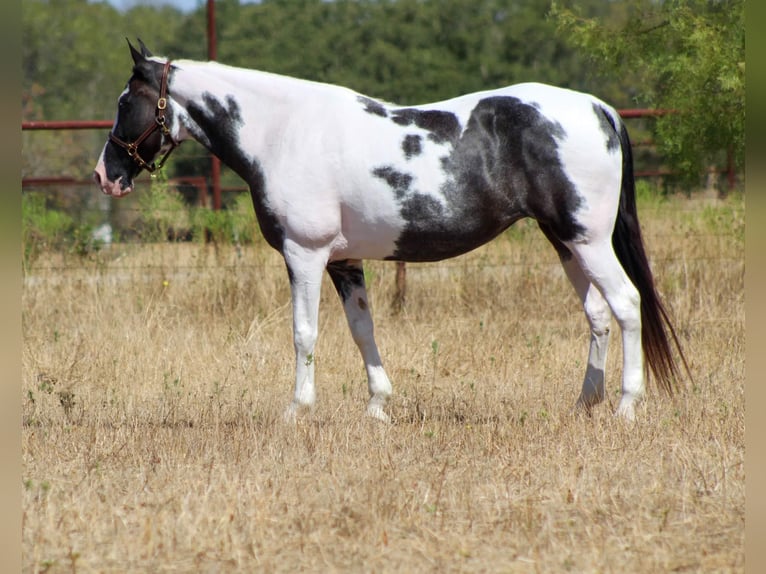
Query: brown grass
{"x": 155, "y": 377}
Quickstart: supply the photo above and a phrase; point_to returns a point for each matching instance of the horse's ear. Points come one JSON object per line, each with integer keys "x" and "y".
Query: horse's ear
{"x": 138, "y": 57}
{"x": 144, "y": 50}
{"x": 141, "y": 56}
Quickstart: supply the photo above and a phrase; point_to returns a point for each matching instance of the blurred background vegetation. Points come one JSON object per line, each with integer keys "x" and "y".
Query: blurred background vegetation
{"x": 685, "y": 55}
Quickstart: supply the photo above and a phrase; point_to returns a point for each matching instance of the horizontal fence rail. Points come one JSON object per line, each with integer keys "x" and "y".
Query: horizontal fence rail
{"x": 68, "y": 125}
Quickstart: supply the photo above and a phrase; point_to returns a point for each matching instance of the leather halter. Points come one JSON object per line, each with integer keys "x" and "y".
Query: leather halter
{"x": 159, "y": 124}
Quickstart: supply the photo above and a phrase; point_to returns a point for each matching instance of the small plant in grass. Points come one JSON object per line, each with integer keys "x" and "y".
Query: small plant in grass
{"x": 41, "y": 228}
{"x": 83, "y": 242}
{"x": 434, "y": 358}
{"x": 649, "y": 195}
{"x": 726, "y": 218}
{"x": 67, "y": 401}
{"x": 48, "y": 229}
{"x": 172, "y": 393}
{"x": 215, "y": 226}
{"x": 244, "y": 224}
{"x": 369, "y": 276}
{"x": 236, "y": 224}
{"x": 163, "y": 214}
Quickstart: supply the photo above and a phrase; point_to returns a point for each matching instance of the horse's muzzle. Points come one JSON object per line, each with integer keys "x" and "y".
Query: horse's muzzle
{"x": 113, "y": 188}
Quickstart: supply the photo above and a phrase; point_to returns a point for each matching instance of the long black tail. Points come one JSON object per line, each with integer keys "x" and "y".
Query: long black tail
{"x": 656, "y": 327}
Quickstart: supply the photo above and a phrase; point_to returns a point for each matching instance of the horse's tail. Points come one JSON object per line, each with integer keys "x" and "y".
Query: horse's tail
{"x": 656, "y": 327}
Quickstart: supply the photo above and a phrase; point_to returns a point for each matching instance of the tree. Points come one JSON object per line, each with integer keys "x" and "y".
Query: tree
{"x": 689, "y": 56}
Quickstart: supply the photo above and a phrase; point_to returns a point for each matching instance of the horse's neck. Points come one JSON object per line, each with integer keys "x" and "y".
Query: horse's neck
{"x": 225, "y": 102}
{"x": 197, "y": 78}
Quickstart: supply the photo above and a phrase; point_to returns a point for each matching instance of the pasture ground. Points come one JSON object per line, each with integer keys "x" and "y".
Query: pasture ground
{"x": 155, "y": 376}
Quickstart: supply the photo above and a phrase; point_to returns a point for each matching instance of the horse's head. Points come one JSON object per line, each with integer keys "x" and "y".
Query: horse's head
{"x": 142, "y": 129}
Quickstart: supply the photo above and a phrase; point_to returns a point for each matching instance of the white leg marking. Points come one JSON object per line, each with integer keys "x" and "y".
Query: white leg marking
{"x": 599, "y": 316}
{"x": 600, "y": 265}
{"x": 306, "y": 267}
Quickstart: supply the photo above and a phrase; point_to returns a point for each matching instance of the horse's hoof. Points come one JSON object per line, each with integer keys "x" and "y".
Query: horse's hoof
{"x": 582, "y": 408}
{"x": 626, "y": 412}
{"x": 291, "y": 414}
{"x": 377, "y": 412}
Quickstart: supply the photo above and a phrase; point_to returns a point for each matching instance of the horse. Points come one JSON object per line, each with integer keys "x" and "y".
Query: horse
{"x": 337, "y": 177}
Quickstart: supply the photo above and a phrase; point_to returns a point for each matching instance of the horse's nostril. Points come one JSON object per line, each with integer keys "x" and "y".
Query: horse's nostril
{"x": 97, "y": 178}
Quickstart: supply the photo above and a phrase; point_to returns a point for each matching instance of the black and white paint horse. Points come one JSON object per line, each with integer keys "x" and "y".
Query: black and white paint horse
{"x": 337, "y": 177}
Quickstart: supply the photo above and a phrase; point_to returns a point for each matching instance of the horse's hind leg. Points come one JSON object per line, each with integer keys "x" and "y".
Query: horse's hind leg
{"x": 348, "y": 278}
{"x": 600, "y": 265}
{"x": 599, "y": 318}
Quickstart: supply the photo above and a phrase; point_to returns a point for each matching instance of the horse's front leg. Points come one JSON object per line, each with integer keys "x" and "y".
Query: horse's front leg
{"x": 305, "y": 267}
{"x": 348, "y": 278}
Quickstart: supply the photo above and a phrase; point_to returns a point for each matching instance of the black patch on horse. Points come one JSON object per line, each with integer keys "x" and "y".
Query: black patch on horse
{"x": 505, "y": 166}
{"x": 563, "y": 251}
{"x": 373, "y": 107}
{"x": 345, "y": 277}
{"x": 398, "y": 181}
{"x": 412, "y": 146}
{"x": 443, "y": 126}
{"x": 220, "y": 124}
{"x": 606, "y": 121}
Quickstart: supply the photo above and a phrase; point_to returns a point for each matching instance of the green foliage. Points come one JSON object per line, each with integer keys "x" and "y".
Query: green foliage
{"x": 217, "y": 226}
{"x": 728, "y": 217}
{"x": 649, "y": 194}
{"x": 75, "y": 60}
{"x": 234, "y": 224}
{"x": 44, "y": 229}
{"x": 406, "y": 51}
{"x": 37, "y": 220}
{"x": 245, "y": 228}
{"x": 74, "y": 56}
{"x": 41, "y": 228}
{"x": 689, "y": 56}
{"x": 163, "y": 214}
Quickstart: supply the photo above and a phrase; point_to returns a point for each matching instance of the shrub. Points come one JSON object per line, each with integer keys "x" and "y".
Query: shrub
{"x": 41, "y": 228}
{"x": 162, "y": 213}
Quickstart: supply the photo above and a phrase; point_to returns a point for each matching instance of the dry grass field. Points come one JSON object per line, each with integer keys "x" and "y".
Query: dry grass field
{"x": 155, "y": 376}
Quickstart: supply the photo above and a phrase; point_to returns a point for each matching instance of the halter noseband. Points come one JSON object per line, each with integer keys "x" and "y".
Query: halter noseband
{"x": 159, "y": 124}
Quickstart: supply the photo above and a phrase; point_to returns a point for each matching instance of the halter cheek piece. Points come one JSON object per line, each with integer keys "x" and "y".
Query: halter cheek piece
{"x": 159, "y": 124}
